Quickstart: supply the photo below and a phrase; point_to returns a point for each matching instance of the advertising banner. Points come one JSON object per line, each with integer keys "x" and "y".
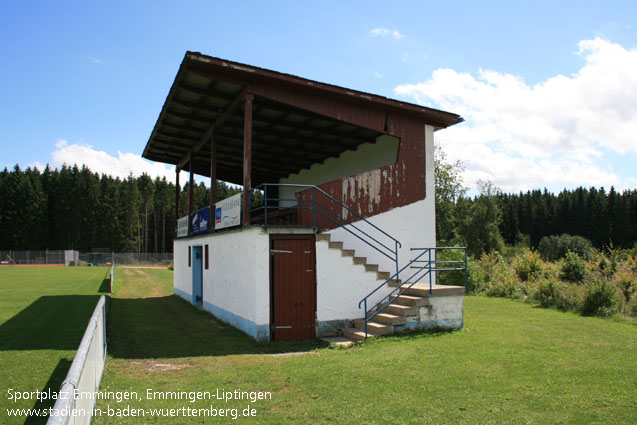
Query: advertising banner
{"x": 200, "y": 221}
{"x": 228, "y": 212}
{"x": 182, "y": 227}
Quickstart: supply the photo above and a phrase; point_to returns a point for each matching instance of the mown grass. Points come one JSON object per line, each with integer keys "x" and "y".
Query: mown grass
{"x": 43, "y": 314}
{"x": 512, "y": 363}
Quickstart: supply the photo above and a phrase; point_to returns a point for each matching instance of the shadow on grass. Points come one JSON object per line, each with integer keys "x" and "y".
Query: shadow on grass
{"x": 54, "y": 383}
{"x": 170, "y": 327}
{"x": 105, "y": 286}
{"x": 50, "y": 322}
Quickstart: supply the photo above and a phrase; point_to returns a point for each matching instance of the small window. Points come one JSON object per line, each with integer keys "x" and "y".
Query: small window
{"x": 189, "y": 256}
{"x": 206, "y": 257}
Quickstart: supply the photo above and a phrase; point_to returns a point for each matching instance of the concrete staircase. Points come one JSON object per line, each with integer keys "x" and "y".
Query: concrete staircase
{"x": 372, "y": 268}
{"x": 407, "y": 308}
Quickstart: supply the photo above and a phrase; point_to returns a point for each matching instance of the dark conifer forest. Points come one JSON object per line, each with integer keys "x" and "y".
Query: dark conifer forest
{"x": 74, "y": 208}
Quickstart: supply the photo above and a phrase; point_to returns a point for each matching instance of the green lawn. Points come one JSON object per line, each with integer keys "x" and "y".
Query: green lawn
{"x": 512, "y": 363}
{"x": 43, "y": 314}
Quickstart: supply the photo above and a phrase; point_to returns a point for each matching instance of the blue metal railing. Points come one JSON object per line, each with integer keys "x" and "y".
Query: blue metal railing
{"x": 431, "y": 265}
{"x": 317, "y": 207}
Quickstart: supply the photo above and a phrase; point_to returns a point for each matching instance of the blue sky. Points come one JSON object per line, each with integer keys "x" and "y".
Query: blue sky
{"x": 547, "y": 88}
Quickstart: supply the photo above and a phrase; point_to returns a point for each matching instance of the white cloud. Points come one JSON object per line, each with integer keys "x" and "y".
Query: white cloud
{"x": 387, "y": 33}
{"x": 103, "y": 163}
{"x": 96, "y": 60}
{"x": 554, "y": 132}
{"x": 378, "y": 75}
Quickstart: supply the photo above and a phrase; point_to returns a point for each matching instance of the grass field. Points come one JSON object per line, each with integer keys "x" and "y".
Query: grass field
{"x": 512, "y": 363}
{"x": 43, "y": 314}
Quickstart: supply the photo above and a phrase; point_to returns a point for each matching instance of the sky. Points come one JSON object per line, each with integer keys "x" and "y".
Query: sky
{"x": 548, "y": 90}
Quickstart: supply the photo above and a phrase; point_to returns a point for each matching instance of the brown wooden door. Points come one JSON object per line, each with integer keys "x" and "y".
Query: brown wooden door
{"x": 293, "y": 281}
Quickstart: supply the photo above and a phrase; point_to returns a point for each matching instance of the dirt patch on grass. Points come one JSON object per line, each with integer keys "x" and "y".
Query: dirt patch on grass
{"x": 158, "y": 365}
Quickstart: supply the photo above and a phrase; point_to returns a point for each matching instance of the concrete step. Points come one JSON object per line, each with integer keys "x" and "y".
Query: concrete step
{"x": 348, "y": 252}
{"x": 401, "y": 310}
{"x": 422, "y": 290}
{"x": 382, "y": 275}
{"x": 355, "y": 334}
{"x": 410, "y": 300}
{"x": 389, "y": 319}
{"x": 359, "y": 260}
{"x": 335, "y": 245}
{"x": 371, "y": 268}
{"x": 323, "y": 236}
{"x": 374, "y": 328}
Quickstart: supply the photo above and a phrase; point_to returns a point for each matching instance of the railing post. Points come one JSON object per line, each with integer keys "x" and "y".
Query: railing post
{"x": 466, "y": 286}
{"x": 431, "y": 290}
{"x": 265, "y": 202}
{"x": 365, "y": 317}
{"x": 397, "y": 272}
{"x": 314, "y": 207}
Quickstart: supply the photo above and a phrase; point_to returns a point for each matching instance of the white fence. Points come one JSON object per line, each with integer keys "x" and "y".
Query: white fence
{"x": 79, "y": 389}
{"x": 46, "y": 257}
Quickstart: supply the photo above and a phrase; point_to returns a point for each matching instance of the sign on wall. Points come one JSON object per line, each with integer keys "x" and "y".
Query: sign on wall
{"x": 228, "y": 212}
{"x": 182, "y": 227}
{"x": 200, "y": 221}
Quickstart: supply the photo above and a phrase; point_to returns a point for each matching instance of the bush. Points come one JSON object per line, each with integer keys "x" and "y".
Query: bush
{"x": 570, "y": 297}
{"x": 600, "y": 300}
{"x": 573, "y": 268}
{"x": 553, "y": 248}
{"x": 451, "y": 277}
{"x": 528, "y": 265}
{"x": 547, "y": 292}
{"x": 626, "y": 282}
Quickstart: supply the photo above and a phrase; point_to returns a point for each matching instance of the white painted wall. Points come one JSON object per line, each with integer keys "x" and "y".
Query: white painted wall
{"x": 414, "y": 225}
{"x": 368, "y": 156}
{"x": 183, "y": 274}
{"x": 236, "y": 287}
{"x": 341, "y": 285}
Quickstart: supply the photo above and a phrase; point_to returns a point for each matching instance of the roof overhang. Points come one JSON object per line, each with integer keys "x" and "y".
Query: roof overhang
{"x": 295, "y": 122}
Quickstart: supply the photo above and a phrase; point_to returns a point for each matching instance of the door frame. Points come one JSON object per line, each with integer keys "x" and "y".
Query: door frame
{"x": 197, "y": 268}
{"x": 280, "y": 236}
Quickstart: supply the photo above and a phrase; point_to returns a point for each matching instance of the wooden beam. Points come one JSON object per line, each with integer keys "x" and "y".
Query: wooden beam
{"x": 191, "y": 204}
{"x": 213, "y": 181}
{"x": 247, "y": 157}
{"x": 177, "y": 193}
{"x": 219, "y": 121}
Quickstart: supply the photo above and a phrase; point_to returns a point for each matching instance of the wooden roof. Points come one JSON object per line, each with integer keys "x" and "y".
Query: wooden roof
{"x": 295, "y": 122}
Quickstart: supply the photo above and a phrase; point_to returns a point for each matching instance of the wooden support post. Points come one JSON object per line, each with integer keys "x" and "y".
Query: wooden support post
{"x": 247, "y": 157}
{"x": 190, "y": 191}
{"x": 213, "y": 181}
{"x": 177, "y": 193}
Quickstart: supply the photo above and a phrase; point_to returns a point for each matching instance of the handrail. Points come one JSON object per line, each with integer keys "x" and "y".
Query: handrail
{"x": 320, "y": 208}
{"x": 428, "y": 269}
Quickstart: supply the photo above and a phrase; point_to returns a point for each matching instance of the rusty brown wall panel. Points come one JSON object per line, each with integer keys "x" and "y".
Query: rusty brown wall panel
{"x": 377, "y": 191}
{"x": 360, "y": 115}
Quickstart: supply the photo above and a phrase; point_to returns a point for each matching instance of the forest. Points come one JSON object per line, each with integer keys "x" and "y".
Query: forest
{"x": 74, "y": 208}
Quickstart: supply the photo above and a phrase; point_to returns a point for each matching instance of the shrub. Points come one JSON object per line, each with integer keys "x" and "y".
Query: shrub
{"x": 600, "y": 300}
{"x": 554, "y": 247}
{"x": 573, "y": 268}
{"x": 451, "y": 277}
{"x": 570, "y": 297}
{"x": 528, "y": 265}
{"x": 632, "y": 307}
{"x": 547, "y": 292}
{"x": 626, "y": 282}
